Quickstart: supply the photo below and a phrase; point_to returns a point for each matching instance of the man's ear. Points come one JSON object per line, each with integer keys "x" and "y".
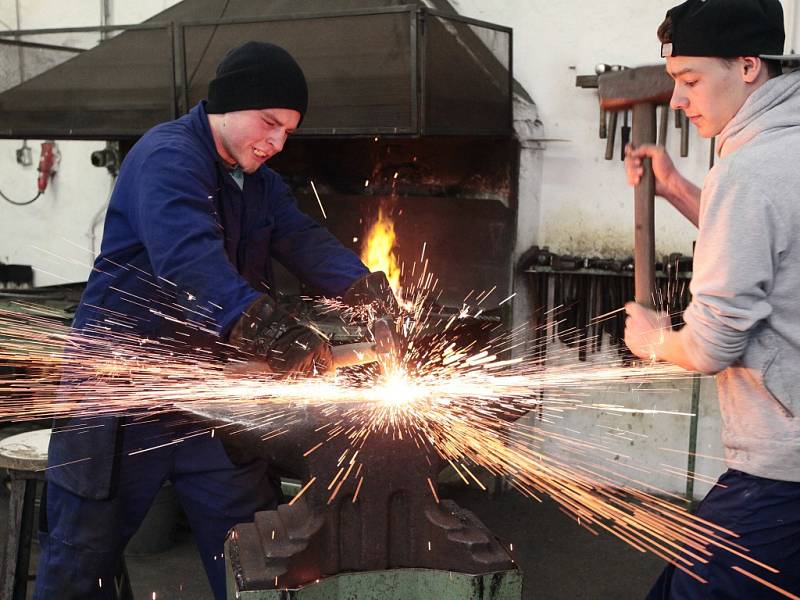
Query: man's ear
{"x": 751, "y": 67}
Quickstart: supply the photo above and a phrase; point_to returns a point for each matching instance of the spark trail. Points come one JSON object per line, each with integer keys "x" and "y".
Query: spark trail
{"x": 460, "y": 402}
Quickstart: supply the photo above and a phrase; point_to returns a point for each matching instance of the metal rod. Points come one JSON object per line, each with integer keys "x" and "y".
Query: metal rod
{"x": 684, "y": 135}
{"x": 691, "y": 462}
{"x": 348, "y": 355}
{"x": 511, "y": 80}
{"x": 644, "y": 132}
{"x": 611, "y": 133}
{"x": 359, "y": 131}
{"x": 358, "y": 12}
{"x": 41, "y": 46}
{"x": 344, "y": 132}
{"x": 602, "y": 129}
{"x": 662, "y": 125}
{"x": 246, "y": 20}
{"x": 105, "y": 17}
{"x": 181, "y": 82}
{"x": 624, "y": 135}
{"x": 89, "y": 29}
{"x": 20, "y": 51}
{"x": 712, "y": 152}
{"x": 344, "y": 355}
{"x": 417, "y": 44}
{"x": 462, "y": 19}
{"x": 173, "y": 89}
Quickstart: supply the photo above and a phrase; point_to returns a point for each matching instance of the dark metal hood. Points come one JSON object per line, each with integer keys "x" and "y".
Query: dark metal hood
{"x": 375, "y": 67}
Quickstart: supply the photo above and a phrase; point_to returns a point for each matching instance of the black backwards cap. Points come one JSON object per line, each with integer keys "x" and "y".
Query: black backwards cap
{"x": 258, "y": 75}
{"x": 727, "y": 29}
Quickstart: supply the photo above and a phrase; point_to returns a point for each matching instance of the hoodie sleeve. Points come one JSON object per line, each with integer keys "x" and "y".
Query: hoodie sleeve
{"x": 736, "y": 257}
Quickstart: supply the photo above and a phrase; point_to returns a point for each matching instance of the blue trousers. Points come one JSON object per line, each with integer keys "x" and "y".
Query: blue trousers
{"x": 84, "y": 539}
{"x": 766, "y": 515}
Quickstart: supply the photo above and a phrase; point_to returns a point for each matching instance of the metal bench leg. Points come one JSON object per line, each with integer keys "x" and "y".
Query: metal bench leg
{"x": 17, "y": 554}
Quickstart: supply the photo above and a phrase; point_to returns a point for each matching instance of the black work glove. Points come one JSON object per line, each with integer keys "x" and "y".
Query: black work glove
{"x": 373, "y": 289}
{"x": 268, "y": 333}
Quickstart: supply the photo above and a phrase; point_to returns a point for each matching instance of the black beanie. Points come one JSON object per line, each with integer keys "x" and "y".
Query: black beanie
{"x": 258, "y": 75}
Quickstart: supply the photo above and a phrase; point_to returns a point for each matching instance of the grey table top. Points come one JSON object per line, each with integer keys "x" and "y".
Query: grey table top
{"x": 25, "y": 451}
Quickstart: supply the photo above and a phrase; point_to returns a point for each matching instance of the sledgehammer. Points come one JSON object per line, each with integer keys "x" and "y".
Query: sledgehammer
{"x": 640, "y": 89}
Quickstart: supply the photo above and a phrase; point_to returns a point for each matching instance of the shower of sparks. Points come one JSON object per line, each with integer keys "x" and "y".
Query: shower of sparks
{"x": 461, "y": 403}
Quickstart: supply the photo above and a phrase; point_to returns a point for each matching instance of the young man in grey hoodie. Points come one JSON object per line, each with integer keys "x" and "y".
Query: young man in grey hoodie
{"x": 743, "y": 323}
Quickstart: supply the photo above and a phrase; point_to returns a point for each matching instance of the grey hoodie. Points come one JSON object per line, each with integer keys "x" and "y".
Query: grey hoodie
{"x": 744, "y": 319}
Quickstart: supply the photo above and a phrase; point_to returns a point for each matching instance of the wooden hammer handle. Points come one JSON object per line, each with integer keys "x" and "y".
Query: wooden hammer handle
{"x": 644, "y": 132}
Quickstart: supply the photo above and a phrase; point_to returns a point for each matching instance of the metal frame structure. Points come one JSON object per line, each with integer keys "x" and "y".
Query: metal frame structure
{"x": 177, "y": 32}
{"x": 183, "y": 83}
{"x": 38, "y": 46}
{"x": 486, "y": 25}
{"x": 169, "y": 29}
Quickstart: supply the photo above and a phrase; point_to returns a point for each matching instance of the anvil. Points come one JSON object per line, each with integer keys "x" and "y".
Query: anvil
{"x": 376, "y": 509}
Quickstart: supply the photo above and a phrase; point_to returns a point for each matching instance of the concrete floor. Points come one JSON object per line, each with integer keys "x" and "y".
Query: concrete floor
{"x": 559, "y": 559}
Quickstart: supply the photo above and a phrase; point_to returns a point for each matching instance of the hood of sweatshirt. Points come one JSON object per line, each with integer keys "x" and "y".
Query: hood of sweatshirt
{"x": 774, "y": 105}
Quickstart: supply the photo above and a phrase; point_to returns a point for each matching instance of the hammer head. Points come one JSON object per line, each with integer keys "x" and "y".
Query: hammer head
{"x": 621, "y": 90}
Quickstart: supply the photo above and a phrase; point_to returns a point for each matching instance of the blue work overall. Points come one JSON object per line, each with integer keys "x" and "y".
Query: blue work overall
{"x": 183, "y": 241}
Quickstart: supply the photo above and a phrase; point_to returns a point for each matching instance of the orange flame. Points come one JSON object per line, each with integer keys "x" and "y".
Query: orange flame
{"x": 378, "y": 251}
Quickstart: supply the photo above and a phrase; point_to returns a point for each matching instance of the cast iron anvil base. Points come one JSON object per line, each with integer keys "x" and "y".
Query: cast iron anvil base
{"x": 395, "y": 584}
{"x": 372, "y": 506}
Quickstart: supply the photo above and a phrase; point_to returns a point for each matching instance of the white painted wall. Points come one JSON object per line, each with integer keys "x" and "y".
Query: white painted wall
{"x": 56, "y": 234}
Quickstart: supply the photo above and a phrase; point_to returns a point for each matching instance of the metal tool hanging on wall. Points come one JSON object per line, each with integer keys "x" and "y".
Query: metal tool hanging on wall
{"x": 599, "y": 69}
{"x": 609, "y": 120}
